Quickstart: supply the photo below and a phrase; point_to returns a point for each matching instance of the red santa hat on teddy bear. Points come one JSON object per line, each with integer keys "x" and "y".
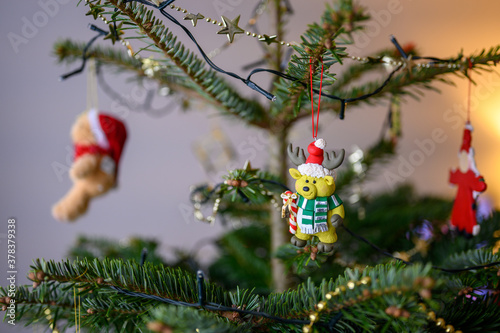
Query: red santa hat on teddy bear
{"x": 110, "y": 134}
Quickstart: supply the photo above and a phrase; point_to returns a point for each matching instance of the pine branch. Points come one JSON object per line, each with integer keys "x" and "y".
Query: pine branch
{"x": 475, "y": 257}
{"x": 355, "y": 292}
{"x": 34, "y": 305}
{"x": 69, "y": 52}
{"x": 191, "y": 320}
{"x": 90, "y": 248}
{"x": 244, "y": 259}
{"x": 54, "y": 305}
{"x": 208, "y": 85}
{"x": 57, "y": 305}
{"x": 412, "y": 85}
{"x": 178, "y": 285}
{"x": 318, "y": 49}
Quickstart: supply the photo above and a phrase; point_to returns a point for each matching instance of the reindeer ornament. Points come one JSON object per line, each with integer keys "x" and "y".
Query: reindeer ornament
{"x": 314, "y": 210}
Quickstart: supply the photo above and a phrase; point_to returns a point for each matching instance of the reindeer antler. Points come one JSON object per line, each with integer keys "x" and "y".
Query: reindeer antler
{"x": 333, "y": 161}
{"x": 298, "y": 157}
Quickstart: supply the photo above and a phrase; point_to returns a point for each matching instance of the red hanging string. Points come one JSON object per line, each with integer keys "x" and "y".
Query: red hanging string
{"x": 469, "y": 94}
{"x": 315, "y": 127}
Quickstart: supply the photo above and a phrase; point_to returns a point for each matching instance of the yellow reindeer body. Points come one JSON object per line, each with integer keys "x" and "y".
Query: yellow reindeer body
{"x": 329, "y": 236}
{"x": 310, "y": 188}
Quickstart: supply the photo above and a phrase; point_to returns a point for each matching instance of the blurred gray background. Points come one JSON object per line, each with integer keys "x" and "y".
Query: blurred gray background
{"x": 159, "y": 163}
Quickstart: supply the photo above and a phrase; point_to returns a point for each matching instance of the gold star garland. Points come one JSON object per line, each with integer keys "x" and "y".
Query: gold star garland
{"x": 194, "y": 18}
{"x": 230, "y": 27}
{"x": 261, "y": 9}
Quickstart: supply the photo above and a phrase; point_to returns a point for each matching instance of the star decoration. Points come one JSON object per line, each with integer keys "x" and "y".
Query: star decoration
{"x": 157, "y": 2}
{"x": 95, "y": 11}
{"x": 409, "y": 64}
{"x": 248, "y": 167}
{"x": 230, "y": 28}
{"x": 194, "y": 18}
{"x": 114, "y": 35}
{"x": 268, "y": 39}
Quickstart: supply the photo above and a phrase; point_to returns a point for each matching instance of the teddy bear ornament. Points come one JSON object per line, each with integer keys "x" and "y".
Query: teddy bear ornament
{"x": 314, "y": 210}
{"x": 98, "y": 141}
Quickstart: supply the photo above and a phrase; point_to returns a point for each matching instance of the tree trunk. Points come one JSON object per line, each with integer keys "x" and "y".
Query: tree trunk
{"x": 277, "y": 158}
{"x": 279, "y": 228}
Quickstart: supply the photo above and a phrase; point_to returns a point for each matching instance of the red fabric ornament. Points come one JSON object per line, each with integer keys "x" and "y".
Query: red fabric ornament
{"x": 470, "y": 184}
{"x": 111, "y": 135}
{"x": 99, "y": 140}
{"x": 81, "y": 150}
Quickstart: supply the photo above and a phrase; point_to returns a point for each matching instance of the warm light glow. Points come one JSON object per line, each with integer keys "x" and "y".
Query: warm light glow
{"x": 491, "y": 114}
{"x": 486, "y": 139}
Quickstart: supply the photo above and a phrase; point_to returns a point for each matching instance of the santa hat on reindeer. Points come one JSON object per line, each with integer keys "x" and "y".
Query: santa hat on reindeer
{"x": 315, "y": 165}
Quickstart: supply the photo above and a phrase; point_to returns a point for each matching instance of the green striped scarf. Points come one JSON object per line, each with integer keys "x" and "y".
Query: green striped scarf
{"x": 312, "y": 214}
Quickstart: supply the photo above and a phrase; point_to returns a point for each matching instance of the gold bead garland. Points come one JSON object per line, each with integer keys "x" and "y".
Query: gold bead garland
{"x": 321, "y": 306}
{"x": 366, "y": 294}
{"x": 440, "y": 322}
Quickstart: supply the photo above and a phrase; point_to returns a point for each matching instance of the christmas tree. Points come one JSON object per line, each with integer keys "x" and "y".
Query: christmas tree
{"x": 435, "y": 279}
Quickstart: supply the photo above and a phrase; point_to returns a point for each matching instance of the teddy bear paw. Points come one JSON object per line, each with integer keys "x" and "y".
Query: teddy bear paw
{"x": 63, "y": 212}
